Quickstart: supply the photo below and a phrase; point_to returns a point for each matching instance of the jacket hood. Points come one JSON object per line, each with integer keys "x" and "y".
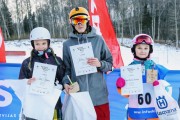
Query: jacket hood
{"x": 90, "y": 34}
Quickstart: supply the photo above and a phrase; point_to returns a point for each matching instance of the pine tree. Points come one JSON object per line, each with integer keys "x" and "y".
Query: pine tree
{"x": 146, "y": 20}
{"x": 26, "y": 24}
{"x": 29, "y": 22}
{"x": 34, "y": 20}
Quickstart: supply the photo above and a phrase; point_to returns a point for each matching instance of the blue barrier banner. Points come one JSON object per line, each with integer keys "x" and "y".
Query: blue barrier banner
{"x": 118, "y": 103}
{"x": 11, "y": 98}
{"x": 9, "y": 71}
{"x": 10, "y": 105}
{"x": 173, "y": 77}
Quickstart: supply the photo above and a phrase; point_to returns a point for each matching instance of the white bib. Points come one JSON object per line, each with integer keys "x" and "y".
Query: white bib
{"x": 142, "y": 105}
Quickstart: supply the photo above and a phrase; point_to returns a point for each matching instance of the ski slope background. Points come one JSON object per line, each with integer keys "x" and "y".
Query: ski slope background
{"x": 165, "y": 55}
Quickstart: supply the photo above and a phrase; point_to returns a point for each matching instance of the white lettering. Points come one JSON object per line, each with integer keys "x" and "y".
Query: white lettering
{"x": 167, "y": 111}
{"x": 96, "y": 22}
{"x": 0, "y": 39}
{"x": 95, "y": 18}
{"x": 7, "y": 115}
{"x": 93, "y": 6}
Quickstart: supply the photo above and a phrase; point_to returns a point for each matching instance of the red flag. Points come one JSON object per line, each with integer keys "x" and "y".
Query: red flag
{"x": 2, "y": 48}
{"x": 100, "y": 19}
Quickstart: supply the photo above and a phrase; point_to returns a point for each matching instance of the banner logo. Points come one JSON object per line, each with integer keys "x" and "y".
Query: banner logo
{"x": 10, "y": 104}
{"x": 161, "y": 102}
{"x": 95, "y": 18}
{"x": 1, "y": 39}
{"x": 5, "y": 98}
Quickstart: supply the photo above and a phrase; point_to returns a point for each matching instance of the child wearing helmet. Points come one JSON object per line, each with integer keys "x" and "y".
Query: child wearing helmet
{"x": 142, "y": 49}
{"x": 95, "y": 83}
{"x": 43, "y": 53}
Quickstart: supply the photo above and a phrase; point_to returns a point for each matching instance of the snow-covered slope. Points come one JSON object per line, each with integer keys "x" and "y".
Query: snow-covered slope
{"x": 163, "y": 54}
{"x": 25, "y": 45}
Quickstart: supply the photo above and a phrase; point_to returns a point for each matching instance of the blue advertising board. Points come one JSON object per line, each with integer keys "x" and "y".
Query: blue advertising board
{"x": 117, "y": 102}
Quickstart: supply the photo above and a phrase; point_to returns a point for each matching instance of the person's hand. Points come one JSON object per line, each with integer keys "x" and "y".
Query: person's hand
{"x": 58, "y": 85}
{"x": 155, "y": 83}
{"x": 120, "y": 82}
{"x": 31, "y": 80}
{"x": 67, "y": 88}
{"x": 94, "y": 62}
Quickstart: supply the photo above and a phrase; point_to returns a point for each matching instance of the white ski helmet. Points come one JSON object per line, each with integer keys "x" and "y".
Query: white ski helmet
{"x": 40, "y": 33}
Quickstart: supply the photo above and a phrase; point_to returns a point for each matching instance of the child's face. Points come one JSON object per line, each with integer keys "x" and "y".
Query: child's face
{"x": 142, "y": 50}
{"x": 80, "y": 27}
{"x": 79, "y": 23}
{"x": 40, "y": 45}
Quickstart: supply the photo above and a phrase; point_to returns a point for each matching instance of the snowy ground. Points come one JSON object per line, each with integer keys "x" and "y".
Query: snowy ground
{"x": 25, "y": 45}
{"x": 163, "y": 54}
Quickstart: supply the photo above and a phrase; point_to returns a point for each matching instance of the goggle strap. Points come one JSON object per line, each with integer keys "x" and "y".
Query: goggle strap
{"x": 78, "y": 14}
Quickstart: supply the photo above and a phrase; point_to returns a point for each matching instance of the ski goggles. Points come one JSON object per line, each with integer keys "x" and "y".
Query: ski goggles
{"x": 145, "y": 39}
{"x": 79, "y": 20}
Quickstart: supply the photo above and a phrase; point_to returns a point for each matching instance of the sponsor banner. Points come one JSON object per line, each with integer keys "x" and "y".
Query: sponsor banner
{"x": 11, "y": 99}
{"x": 16, "y": 100}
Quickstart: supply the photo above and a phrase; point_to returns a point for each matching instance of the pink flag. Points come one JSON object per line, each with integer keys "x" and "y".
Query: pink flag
{"x": 2, "y": 48}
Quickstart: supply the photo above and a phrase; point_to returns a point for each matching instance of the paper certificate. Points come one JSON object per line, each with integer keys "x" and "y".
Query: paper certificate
{"x": 80, "y": 53}
{"x": 45, "y": 76}
{"x": 133, "y": 77}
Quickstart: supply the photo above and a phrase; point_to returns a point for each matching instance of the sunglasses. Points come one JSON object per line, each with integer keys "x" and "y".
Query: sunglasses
{"x": 79, "y": 20}
{"x": 145, "y": 39}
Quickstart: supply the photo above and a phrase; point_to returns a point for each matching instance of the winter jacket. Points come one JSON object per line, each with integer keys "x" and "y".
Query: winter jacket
{"x": 26, "y": 71}
{"x": 137, "y": 106}
{"x": 95, "y": 82}
{"x": 150, "y": 64}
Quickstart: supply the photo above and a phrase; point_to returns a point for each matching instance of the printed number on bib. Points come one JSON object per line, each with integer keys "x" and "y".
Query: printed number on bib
{"x": 144, "y": 99}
